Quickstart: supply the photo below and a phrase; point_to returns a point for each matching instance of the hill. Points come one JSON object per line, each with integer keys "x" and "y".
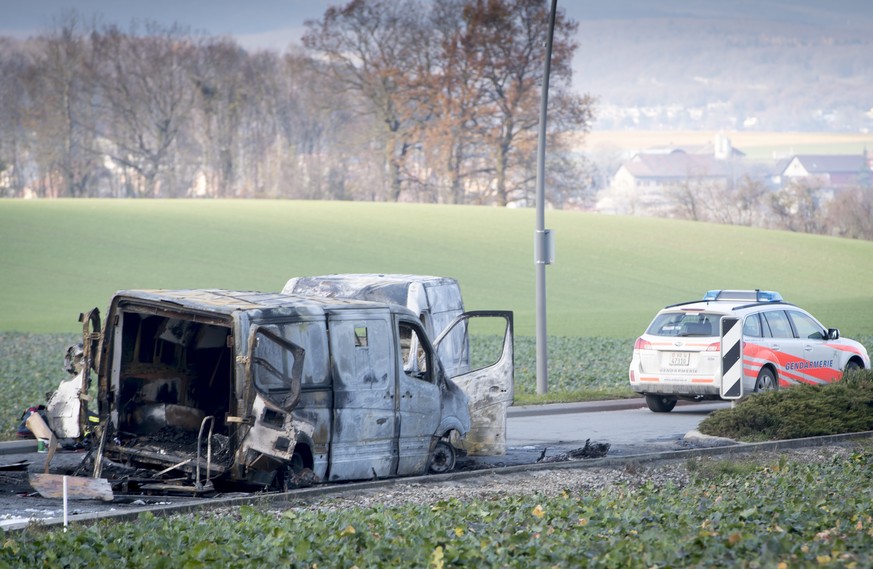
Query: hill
{"x": 762, "y": 65}
{"x": 61, "y": 257}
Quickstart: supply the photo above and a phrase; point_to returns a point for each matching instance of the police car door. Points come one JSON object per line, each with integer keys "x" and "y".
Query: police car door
{"x": 817, "y": 360}
{"x": 482, "y": 343}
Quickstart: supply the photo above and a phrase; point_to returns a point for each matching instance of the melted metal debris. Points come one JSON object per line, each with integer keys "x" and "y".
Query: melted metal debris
{"x": 590, "y": 450}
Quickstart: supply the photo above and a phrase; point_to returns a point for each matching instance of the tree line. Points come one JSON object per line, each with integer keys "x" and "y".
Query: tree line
{"x": 803, "y": 206}
{"x": 385, "y": 100}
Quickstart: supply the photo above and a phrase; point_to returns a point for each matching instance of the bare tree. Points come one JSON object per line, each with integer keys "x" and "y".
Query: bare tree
{"x": 15, "y": 65}
{"x": 688, "y": 198}
{"x": 147, "y": 96}
{"x": 316, "y": 121}
{"x": 850, "y": 214}
{"x": 740, "y": 204}
{"x": 450, "y": 97}
{"x": 370, "y": 46}
{"x": 65, "y": 93}
{"x": 509, "y": 37}
{"x": 431, "y": 101}
{"x": 797, "y": 207}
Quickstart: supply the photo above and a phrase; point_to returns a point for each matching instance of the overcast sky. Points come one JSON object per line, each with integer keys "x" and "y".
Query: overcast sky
{"x": 254, "y": 23}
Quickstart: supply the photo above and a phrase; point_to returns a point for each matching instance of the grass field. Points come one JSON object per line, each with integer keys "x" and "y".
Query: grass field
{"x": 612, "y": 273}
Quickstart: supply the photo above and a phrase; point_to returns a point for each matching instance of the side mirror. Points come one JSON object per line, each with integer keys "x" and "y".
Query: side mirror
{"x": 833, "y": 334}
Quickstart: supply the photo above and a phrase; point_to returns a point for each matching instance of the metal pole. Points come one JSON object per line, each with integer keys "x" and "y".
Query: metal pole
{"x": 540, "y": 241}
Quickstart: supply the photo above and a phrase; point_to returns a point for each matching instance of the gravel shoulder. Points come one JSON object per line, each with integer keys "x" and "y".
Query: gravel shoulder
{"x": 553, "y": 482}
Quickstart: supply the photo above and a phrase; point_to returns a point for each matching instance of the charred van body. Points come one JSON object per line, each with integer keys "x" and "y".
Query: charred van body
{"x": 266, "y": 389}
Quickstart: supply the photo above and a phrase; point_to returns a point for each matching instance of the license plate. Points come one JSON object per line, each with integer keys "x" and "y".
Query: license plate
{"x": 680, "y": 358}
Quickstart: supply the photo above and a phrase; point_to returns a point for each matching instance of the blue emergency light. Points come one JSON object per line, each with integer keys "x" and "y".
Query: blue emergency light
{"x": 745, "y": 295}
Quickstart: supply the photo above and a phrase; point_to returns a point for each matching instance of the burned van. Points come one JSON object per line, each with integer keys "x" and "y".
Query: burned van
{"x": 437, "y": 302}
{"x": 263, "y": 388}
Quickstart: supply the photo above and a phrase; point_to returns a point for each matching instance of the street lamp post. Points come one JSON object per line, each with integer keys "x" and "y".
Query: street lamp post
{"x": 543, "y": 243}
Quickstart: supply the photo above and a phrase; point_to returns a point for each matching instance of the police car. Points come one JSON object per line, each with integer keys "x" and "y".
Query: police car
{"x": 679, "y": 356}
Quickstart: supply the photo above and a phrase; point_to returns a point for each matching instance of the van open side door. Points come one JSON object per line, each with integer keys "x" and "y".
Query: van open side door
{"x": 67, "y": 407}
{"x": 484, "y": 338}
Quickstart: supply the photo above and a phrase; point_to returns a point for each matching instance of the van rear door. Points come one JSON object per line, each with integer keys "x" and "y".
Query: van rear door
{"x": 485, "y": 373}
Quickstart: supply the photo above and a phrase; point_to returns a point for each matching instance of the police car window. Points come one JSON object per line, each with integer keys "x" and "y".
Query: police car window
{"x": 806, "y": 326}
{"x": 685, "y": 324}
{"x": 779, "y": 325}
{"x": 752, "y": 326}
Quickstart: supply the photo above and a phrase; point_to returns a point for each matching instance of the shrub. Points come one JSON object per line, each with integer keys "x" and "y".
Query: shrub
{"x": 845, "y": 406}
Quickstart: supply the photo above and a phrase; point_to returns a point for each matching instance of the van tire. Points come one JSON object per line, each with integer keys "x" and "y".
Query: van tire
{"x": 442, "y": 459}
{"x": 292, "y": 478}
{"x": 660, "y": 403}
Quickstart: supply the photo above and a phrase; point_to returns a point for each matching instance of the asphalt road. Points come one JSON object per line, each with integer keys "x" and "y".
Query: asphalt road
{"x": 628, "y": 426}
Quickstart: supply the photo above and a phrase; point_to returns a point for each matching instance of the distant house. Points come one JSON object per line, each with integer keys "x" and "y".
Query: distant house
{"x": 643, "y": 184}
{"x": 834, "y": 171}
{"x": 649, "y": 170}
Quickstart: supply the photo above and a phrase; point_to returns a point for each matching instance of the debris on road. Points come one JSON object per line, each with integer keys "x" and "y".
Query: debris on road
{"x": 590, "y": 450}
{"x": 78, "y": 487}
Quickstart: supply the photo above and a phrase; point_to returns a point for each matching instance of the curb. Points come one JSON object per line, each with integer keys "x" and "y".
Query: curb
{"x": 17, "y": 447}
{"x": 582, "y": 407}
{"x": 698, "y": 439}
{"x": 586, "y": 407}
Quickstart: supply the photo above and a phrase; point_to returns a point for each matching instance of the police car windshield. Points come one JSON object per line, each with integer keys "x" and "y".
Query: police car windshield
{"x": 685, "y": 324}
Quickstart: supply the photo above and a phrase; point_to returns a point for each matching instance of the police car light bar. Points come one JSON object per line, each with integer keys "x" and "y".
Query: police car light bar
{"x": 748, "y": 295}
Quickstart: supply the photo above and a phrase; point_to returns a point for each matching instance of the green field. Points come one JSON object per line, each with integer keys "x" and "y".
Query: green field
{"x": 611, "y": 273}
{"x": 756, "y": 145}
{"x": 60, "y": 257}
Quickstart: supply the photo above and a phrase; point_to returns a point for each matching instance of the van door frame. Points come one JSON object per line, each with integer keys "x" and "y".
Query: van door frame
{"x": 418, "y": 403}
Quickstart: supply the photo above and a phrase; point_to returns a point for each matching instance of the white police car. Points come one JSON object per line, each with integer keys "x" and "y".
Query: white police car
{"x": 679, "y": 357}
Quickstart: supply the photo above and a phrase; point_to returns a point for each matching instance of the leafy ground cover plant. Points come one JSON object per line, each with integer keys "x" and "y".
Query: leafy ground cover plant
{"x": 31, "y": 365}
{"x": 845, "y": 406}
{"x": 580, "y": 368}
{"x": 770, "y": 513}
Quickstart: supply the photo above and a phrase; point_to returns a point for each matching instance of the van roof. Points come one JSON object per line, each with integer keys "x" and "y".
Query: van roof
{"x": 227, "y": 302}
{"x": 391, "y": 288}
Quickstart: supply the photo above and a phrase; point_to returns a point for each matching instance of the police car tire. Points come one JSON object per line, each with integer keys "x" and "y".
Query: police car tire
{"x": 766, "y": 381}
{"x": 660, "y": 403}
{"x": 853, "y": 366}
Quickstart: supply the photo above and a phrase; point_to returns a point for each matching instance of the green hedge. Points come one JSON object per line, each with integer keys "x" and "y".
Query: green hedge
{"x": 845, "y": 406}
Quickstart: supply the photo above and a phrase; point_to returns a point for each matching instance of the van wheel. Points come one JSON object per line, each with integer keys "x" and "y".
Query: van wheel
{"x": 766, "y": 381}
{"x": 292, "y": 479}
{"x": 296, "y": 474}
{"x": 443, "y": 458}
{"x": 660, "y": 403}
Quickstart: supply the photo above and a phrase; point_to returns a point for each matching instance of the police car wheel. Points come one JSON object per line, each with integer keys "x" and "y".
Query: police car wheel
{"x": 660, "y": 403}
{"x": 766, "y": 381}
{"x": 853, "y": 366}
